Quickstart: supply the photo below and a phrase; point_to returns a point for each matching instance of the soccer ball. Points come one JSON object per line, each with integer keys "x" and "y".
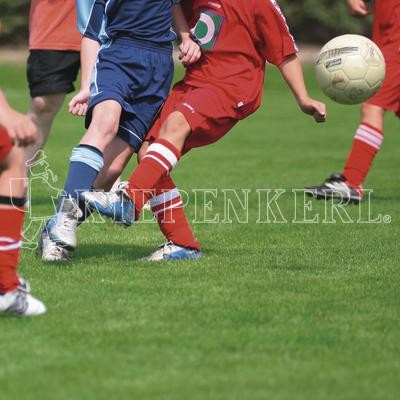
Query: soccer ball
{"x": 350, "y": 69}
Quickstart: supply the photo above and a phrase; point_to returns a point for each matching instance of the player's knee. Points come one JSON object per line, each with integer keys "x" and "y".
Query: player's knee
{"x": 175, "y": 126}
{"x": 105, "y": 125}
{"x": 46, "y": 104}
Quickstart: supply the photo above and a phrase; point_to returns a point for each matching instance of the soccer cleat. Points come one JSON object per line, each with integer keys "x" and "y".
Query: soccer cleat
{"x": 114, "y": 204}
{"x": 336, "y": 187}
{"x": 172, "y": 252}
{"x": 62, "y": 227}
{"x": 21, "y": 303}
{"x": 23, "y": 285}
{"x": 51, "y": 251}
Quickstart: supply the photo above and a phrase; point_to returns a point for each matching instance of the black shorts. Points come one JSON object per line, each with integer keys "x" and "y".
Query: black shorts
{"x": 52, "y": 71}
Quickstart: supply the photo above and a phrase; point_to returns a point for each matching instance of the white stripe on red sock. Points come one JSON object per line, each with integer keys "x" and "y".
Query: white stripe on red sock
{"x": 7, "y": 243}
{"x": 369, "y": 136}
{"x": 163, "y": 155}
{"x": 164, "y": 197}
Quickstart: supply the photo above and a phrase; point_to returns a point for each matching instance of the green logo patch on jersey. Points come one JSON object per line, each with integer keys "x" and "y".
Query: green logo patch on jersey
{"x": 207, "y": 29}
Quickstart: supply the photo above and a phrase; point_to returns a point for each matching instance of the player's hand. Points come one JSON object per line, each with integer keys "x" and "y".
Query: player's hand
{"x": 315, "y": 108}
{"x": 20, "y": 127}
{"x": 79, "y": 103}
{"x": 358, "y": 8}
{"x": 190, "y": 51}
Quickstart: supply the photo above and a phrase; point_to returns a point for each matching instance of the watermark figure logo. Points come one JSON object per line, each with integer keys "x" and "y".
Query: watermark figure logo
{"x": 41, "y": 179}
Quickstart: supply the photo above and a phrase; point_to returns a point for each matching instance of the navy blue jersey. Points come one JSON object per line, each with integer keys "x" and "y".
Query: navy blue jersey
{"x": 146, "y": 20}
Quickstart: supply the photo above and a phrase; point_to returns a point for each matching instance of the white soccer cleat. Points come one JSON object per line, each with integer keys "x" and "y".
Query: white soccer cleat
{"x": 172, "y": 252}
{"x": 63, "y": 226}
{"x": 51, "y": 251}
{"x": 21, "y": 304}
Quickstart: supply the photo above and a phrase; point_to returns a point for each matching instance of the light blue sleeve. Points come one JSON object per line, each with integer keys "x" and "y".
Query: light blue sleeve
{"x": 83, "y": 11}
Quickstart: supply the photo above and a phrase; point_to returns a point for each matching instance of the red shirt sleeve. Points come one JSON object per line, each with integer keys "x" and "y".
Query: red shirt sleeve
{"x": 276, "y": 42}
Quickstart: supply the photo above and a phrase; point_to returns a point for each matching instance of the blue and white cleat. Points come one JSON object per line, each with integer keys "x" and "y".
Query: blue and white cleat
{"x": 63, "y": 226}
{"x": 172, "y": 252}
{"x": 115, "y": 204}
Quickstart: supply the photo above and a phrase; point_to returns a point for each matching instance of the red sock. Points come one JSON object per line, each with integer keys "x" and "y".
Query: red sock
{"x": 167, "y": 207}
{"x": 10, "y": 242}
{"x": 366, "y": 144}
{"x": 159, "y": 160}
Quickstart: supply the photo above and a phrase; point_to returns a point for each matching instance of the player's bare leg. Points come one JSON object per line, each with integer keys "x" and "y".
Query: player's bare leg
{"x": 42, "y": 110}
{"x": 373, "y": 115}
{"x": 175, "y": 130}
{"x": 104, "y": 125}
{"x": 116, "y": 156}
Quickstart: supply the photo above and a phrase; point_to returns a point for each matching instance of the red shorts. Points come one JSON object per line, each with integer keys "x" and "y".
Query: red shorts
{"x": 386, "y": 34}
{"x": 388, "y": 96}
{"x": 204, "y": 109}
{"x": 5, "y": 143}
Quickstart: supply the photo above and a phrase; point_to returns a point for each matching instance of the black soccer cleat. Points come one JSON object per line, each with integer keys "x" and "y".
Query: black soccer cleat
{"x": 336, "y": 187}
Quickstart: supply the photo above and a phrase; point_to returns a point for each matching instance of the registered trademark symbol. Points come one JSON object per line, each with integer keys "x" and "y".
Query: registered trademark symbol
{"x": 387, "y": 219}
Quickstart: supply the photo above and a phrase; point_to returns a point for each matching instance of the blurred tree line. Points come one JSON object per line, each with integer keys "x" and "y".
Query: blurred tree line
{"x": 317, "y": 21}
{"x": 311, "y": 21}
{"x": 14, "y": 17}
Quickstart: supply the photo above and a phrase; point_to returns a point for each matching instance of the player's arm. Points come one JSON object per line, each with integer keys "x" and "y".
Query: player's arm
{"x": 279, "y": 48}
{"x": 292, "y": 72}
{"x": 79, "y": 103}
{"x": 358, "y": 8}
{"x": 190, "y": 51}
{"x": 20, "y": 127}
{"x": 90, "y": 22}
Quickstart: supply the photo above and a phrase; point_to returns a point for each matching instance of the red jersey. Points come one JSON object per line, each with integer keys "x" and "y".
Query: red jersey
{"x": 52, "y": 25}
{"x": 237, "y": 37}
{"x": 386, "y": 29}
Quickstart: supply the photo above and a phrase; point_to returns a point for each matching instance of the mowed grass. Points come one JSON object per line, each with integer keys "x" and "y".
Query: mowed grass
{"x": 272, "y": 311}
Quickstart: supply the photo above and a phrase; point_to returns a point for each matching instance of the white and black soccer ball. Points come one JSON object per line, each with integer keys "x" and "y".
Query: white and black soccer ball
{"x": 350, "y": 69}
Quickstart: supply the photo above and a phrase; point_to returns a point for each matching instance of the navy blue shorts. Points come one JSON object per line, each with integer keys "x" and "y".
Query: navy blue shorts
{"x": 138, "y": 76}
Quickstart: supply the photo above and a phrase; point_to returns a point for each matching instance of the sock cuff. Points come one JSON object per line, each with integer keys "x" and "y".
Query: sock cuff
{"x": 88, "y": 155}
{"x": 169, "y": 146}
{"x": 12, "y": 201}
{"x": 164, "y": 153}
{"x": 93, "y": 148}
{"x": 369, "y": 136}
{"x": 369, "y": 126}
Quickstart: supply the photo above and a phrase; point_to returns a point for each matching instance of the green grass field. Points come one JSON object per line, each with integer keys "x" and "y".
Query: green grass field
{"x": 272, "y": 311}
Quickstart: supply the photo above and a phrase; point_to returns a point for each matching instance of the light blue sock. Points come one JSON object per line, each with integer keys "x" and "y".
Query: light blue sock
{"x": 86, "y": 163}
